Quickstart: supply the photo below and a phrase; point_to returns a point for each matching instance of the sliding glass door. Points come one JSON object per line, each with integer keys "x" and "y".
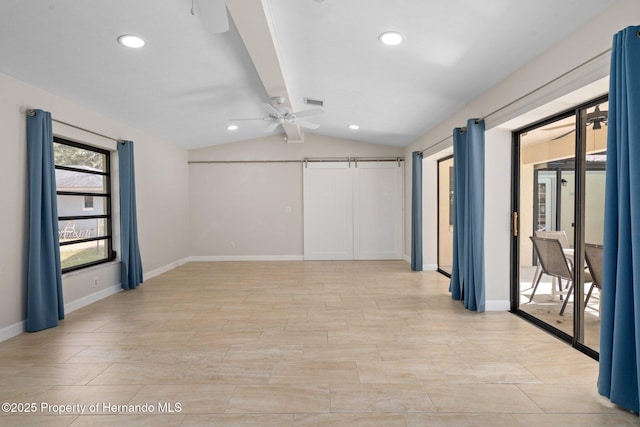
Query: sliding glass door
{"x": 558, "y": 199}
{"x": 445, "y": 215}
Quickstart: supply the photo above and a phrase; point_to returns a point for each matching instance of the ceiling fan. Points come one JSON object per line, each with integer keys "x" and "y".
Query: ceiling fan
{"x": 595, "y": 118}
{"x": 280, "y": 115}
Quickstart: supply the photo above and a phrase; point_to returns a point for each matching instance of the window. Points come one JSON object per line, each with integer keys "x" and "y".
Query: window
{"x": 88, "y": 203}
{"x": 83, "y": 183}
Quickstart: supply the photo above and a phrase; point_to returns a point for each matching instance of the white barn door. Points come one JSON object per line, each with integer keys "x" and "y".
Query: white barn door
{"x": 353, "y": 211}
{"x": 328, "y": 211}
{"x": 377, "y": 210}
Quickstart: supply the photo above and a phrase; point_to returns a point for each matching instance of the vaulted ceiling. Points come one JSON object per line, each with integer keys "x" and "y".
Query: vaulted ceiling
{"x": 187, "y": 84}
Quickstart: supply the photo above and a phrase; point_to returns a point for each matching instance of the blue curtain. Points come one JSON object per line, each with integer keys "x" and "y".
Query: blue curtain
{"x": 467, "y": 277}
{"x": 620, "y": 312}
{"x": 45, "y": 305}
{"x": 416, "y": 212}
{"x": 131, "y": 273}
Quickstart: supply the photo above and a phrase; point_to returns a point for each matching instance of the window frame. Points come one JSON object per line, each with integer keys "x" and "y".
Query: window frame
{"x": 108, "y": 236}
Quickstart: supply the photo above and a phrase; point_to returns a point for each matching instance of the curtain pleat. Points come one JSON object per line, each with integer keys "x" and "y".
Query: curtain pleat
{"x": 45, "y": 306}
{"x": 456, "y": 285}
{"x": 131, "y": 270}
{"x": 467, "y": 277}
{"x": 474, "y": 298}
{"x": 416, "y": 212}
{"x": 619, "y": 375}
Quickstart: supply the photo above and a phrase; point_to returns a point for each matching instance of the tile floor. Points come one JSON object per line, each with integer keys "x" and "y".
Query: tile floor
{"x": 298, "y": 344}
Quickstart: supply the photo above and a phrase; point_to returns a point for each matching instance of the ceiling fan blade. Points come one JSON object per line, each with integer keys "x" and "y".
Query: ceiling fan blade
{"x": 272, "y": 127}
{"x": 305, "y": 124}
{"x": 563, "y": 135}
{"x": 270, "y": 109}
{"x": 309, "y": 113}
{"x": 250, "y": 119}
{"x": 214, "y": 15}
{"x": 558, "y": 127}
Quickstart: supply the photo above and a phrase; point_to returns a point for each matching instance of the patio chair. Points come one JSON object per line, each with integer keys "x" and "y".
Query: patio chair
{"x": 593, "y": 257}
{"x": 69, "y": 231}
{"x": 552, "y": 262}
{"x": 559, "y": 235}
{"x": 587, "y": 278}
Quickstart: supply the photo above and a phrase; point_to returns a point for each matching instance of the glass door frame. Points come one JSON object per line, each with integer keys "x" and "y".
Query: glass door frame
{"x": 577, "y": 339}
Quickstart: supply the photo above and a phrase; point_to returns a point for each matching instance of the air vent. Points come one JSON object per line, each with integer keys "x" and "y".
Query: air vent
{"x": 315, "y": 102}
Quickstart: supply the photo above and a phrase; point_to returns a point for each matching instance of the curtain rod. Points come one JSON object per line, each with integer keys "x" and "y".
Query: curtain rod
{"x": 305, "y": 160}
{"x": 242, "y": 161}
{"x": 566, "y": 73}
{"x": 33, "y": 113}
{"x": 437, "y": 143}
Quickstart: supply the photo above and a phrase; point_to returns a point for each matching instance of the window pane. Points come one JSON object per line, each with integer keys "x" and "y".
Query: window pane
{"x": 79, "y": 181}
{"x": 83, "y": 253}
{"x": 78, "y": 205}
{"x": 66, "y": 155}
{"x": 595, "y": 173}
{"x": 88, "y": 203}
{"x": 547, "y": 198}
{"x": 81, "y": 229}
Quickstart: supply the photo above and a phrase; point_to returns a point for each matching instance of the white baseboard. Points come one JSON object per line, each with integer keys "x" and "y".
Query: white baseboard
{"x": 114, "y": 289}
{"x": 158, "y": 271}
{"x": 497, "y": 305}
{"x": 90, "y": 299}
{"x": 425, "y": 267}
{"x": 20, "y": 327}
{"x": 13, "y": 330}
{"x": 247, "y": 258}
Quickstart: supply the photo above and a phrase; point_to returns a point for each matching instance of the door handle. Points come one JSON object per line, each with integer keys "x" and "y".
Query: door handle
{"x": 515, "y": 224}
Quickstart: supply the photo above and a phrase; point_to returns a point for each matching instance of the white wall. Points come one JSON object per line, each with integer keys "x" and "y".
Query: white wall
{"x": 246, "y": 210}
{"x": 254, "y": 210}
{"x": 429, "y": 214}
{"x": 497, "y": 218}
{"x": 162, "y": 188}
{"x": 545, "y": 78}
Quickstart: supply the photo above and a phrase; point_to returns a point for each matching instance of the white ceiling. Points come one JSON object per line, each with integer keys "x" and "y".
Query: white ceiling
{"x": 186, "y": 84}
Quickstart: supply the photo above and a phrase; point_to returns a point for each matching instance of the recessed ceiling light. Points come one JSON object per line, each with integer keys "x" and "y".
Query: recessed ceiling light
{"x": 354, "y": 127}
{"x": 391, "y": 38}
{"x": 131, "y": 41}
{"x": 232, "y": 127}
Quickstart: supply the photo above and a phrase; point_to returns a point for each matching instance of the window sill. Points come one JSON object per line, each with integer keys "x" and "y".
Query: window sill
{"x": 92, "y": 268}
